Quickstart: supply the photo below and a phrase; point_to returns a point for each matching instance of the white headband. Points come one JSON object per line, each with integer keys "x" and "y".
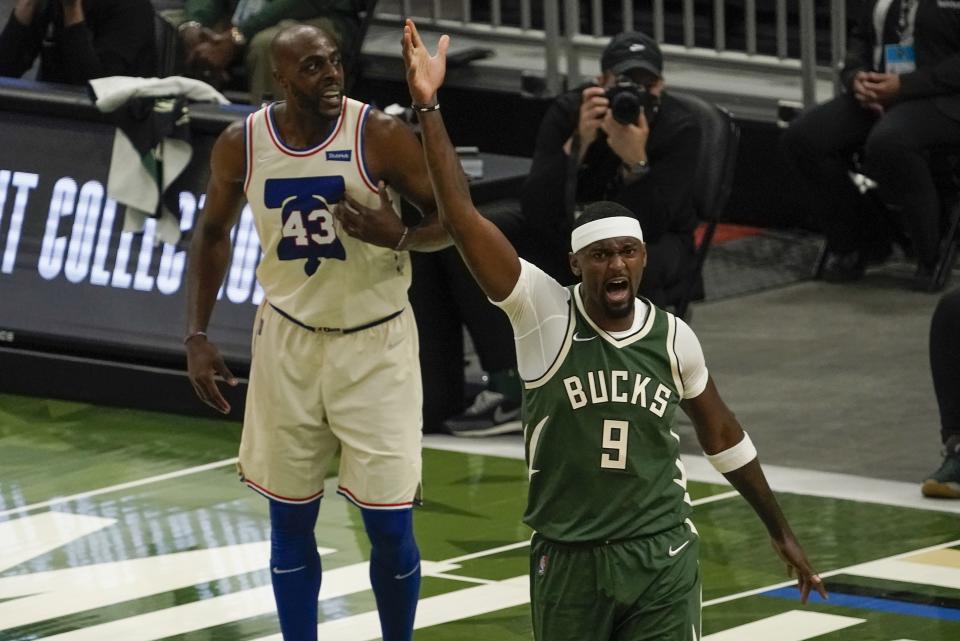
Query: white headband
{"x": 610, "y": 227}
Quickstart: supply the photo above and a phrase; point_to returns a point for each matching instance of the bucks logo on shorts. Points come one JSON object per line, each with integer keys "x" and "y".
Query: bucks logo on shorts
{"x": 542, "y": 564}
{"x": 604, "y": 461}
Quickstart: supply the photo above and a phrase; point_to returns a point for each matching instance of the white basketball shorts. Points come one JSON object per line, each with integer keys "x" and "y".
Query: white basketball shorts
{"x": 312, "y": 393}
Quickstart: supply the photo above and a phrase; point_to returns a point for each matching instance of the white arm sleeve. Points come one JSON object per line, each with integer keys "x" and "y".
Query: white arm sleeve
{"x": 693, "y": 367}
{"x": 538, "y": 309}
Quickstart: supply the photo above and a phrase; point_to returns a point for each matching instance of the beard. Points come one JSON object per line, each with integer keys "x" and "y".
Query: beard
{"x": 310, "y": 103}
{"x": 621, "y": 311}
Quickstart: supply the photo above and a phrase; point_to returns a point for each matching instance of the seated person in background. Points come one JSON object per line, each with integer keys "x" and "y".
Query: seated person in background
{"x": 945, "y": 366}
{"x": 901, "y": 98}
{"x": 645, "y": 165}
{"x": 78, "y": 40}
{"x": 217, "y": 34}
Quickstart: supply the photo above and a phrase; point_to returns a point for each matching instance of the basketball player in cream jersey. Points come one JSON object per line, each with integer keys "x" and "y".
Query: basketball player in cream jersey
{"x": 334, "y": 350}
{"x": 614, "y": 555}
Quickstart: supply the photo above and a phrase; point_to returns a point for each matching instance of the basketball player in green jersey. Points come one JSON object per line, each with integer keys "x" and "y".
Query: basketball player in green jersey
{"x": 614, "y": 554}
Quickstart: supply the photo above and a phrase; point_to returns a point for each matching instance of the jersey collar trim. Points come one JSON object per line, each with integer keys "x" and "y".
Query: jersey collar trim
{"x": 605, "y": 335}
{"x": 309, "y": 151}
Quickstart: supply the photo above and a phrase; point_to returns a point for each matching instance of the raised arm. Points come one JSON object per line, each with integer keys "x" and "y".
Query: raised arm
{"x": 722, "y": 440}
{"x": 486, "y": 251}
{"x": 209, "y": 258}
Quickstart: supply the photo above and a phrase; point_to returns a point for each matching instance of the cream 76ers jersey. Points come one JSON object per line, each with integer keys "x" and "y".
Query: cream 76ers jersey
{"x": 311, "y": 269}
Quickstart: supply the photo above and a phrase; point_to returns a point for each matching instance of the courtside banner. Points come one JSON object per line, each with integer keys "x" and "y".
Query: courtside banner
{"x": 71, "y": 276}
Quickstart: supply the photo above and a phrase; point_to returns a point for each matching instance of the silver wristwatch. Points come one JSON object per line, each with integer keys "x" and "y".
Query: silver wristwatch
{"x": 637, "y": 169}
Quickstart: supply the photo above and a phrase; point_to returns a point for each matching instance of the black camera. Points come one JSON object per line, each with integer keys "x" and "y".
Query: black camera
{"x": 627, "y": 98}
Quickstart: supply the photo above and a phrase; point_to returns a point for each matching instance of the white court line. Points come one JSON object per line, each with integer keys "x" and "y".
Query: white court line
{"x": 520, "y": 544}
{"x": 121, "y": 486}
{"x": 498, "y": 550}
{"x": 830, "y": 485}
{"x": 713, "y": 498}
{"x": 783, "y": 479}
{"x": 824, "y": 575}
{"x": 26, "y": 538}
{"x": 796, "y": 625}
{"x": 435, "y": 610}
{"x": 466, "y": 579}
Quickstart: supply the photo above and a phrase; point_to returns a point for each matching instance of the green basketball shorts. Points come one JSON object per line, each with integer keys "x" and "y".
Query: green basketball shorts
{"x": 645, "y": 589}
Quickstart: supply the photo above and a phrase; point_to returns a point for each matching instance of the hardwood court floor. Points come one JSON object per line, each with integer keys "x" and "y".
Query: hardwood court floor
{"x": 127, "y": 525}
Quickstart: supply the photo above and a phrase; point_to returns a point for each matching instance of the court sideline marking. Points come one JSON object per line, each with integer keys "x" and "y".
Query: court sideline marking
{"x": 121, "y": 486}
{"x": 831, "y": 485}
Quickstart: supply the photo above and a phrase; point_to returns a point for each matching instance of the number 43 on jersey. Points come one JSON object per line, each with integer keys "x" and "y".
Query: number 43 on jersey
{"x": 306, "y": 206}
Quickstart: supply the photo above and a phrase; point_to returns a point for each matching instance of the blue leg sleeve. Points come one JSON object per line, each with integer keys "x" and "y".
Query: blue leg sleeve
{"x": 295, "y": 568}
{"x": 394, "y": 570}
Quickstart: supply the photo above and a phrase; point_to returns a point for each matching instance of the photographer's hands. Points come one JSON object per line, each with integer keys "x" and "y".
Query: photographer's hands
{"x": 627, "y": 141}
{"x": 593, "y": 107}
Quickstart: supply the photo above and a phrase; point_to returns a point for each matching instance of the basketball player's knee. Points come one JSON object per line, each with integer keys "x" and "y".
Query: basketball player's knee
{"x": 291, "y": 532}
{"x": 293, "y": 519}
{"x": 391, "y": 538}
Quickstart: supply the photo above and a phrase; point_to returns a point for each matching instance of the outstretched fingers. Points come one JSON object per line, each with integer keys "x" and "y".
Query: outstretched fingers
{"x": 410, "y": 29}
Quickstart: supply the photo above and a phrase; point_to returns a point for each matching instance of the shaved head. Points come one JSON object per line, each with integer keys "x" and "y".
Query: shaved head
{"x": 306, "y": 63}
{"x": 293, "y": 42}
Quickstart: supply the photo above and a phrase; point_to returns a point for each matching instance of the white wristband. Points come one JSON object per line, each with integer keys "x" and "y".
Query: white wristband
{"x": 735, "y": 457}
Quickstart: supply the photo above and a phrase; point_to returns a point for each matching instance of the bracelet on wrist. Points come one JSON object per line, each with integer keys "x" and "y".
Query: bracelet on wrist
{"x": 426, "y": 108}
{"x": 239, "y": 40}
{"x": 193, "y": 335}
{"x": 403, "y": 239}
{"x": 189, "y": 24}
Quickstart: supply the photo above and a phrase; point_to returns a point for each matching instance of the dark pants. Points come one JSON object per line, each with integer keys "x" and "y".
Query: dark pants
{"x": 444, "y": 298}
{"x": 945, "y": 362}
{"x": 670, "y": 260}
{"x": 818, "y": 146}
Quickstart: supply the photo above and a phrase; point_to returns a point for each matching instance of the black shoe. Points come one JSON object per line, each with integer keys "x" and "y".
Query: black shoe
{"x": 491, "y": 413}
{"x": 844, "y": 267}
{"x": 945, "y": 482}
{"x": 922, "y": 279}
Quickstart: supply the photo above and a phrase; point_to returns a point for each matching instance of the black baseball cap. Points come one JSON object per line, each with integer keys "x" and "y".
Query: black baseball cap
{"x": 632, "y": 50}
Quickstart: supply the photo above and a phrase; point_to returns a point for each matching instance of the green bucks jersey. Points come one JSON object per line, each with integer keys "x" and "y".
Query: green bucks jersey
{"x": 604, "y": 463}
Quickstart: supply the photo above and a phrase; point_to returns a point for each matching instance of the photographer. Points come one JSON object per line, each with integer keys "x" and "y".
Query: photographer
{"x": 644, "y": 163}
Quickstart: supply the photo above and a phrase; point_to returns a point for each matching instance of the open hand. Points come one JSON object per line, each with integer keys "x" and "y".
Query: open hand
{"x": 204, "y": 365}
{"x": 799, "y": 567}
{"x": 424, "y": 72}
{"x": 380, "y": 226}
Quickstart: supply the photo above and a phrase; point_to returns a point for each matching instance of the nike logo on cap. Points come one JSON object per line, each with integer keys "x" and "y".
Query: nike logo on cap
{"x": 637, "y": 47}
{"x": 675, "y": 552}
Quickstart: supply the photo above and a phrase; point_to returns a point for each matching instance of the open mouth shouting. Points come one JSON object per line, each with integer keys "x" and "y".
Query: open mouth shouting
{"x": 617, "y": 291}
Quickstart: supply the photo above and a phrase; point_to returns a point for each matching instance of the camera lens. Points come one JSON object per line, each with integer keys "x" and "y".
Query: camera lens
{"x": 625, "y": 106}
{"x": 625, "y": 98}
